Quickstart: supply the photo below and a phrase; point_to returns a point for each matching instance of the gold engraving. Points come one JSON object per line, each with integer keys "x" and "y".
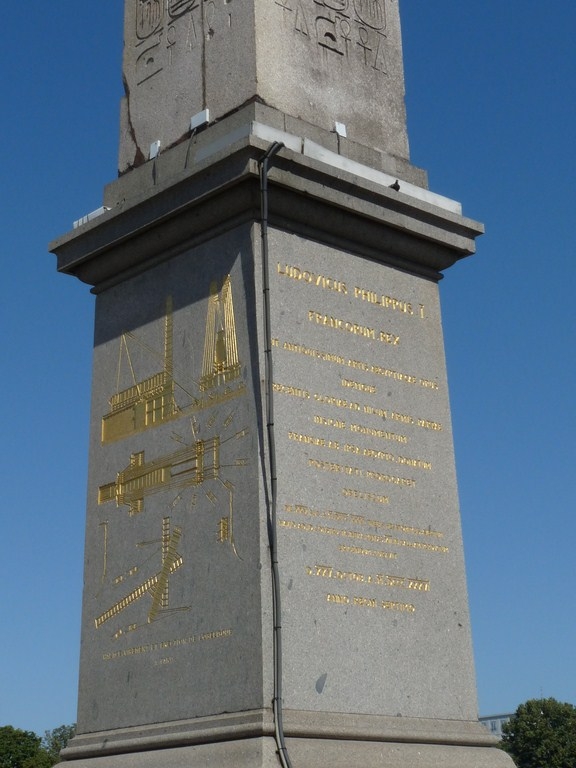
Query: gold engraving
{"x": 421, "y": 585}
{"x": 156, "y": 586}
{"x": 226, "y": 524}
{"x": 104, "y": 527}
{"x": 361, "y": 520}
{"x": 338, "y": 324}
{"x": 223, "y": 530}
{"x": 383, "y": 301}
{"x": 214, "y": 397}
{"x": 381, "y": 433}
{"x": 378, "y": 579}
{"x": 327, "y": 572}
{"x": 164, "y": 645}
{"x": 389, "y": 605}
{"x": 371, "y": 537}
{"x": 427, "y": 384}
{"x": 150, "y": 402}
{"x": 372, "y": 453}
{"x": 366, "y": 602}
{"x": 301, "y": 349}
{"x": 353, "y": 493}
{"x": 389, "y": 338}
{"x": 310, "y": 278}
{"x": 425, "y": 424}
{"x": 186, "y": 467}
{"x": 294, "y": 391}
{"x": 369, "y": 602}
{"x": 170, "y": 557}
{"x": 416, "y": 463}
{"x": 328, "y": 357}
{"x": 364, "y": 331}
{"x": 147, "y": 403}
{"x": 351, "y": 384}
{"x": 337, "y": 423}
{"x": 338, "y": 599}
{"x": 389, "y": 373}
{"x": 311, "y": 440}
{"x": 338, "y": 402}
{"x": 330, "y": 466}
{"x": 368, "y": 552}
{"x": 221, "y": 364}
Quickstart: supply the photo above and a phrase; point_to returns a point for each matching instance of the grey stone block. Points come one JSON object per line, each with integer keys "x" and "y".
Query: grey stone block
{"x": 319, "y": 61}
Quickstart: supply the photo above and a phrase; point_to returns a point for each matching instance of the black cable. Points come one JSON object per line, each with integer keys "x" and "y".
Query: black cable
{"x": 272, "y": 528}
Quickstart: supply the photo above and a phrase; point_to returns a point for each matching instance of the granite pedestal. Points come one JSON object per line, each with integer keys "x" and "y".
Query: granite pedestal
{"x": 269, "y": 367}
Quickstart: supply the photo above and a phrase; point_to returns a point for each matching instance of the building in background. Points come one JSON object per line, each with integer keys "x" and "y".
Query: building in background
{"x": 494, "y": 723}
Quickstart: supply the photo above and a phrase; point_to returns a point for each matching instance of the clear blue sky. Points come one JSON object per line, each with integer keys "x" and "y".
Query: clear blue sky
{"x": 492, "y": 117}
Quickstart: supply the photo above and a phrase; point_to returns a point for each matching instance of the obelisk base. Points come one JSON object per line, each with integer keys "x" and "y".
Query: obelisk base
{"x": 313, "y": 740}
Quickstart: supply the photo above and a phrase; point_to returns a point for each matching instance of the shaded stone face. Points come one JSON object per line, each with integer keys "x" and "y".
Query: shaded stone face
{"x": 171, "y": 621}
{"x": 321, "y": 61}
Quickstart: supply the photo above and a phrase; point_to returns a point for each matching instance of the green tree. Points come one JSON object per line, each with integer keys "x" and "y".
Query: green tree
{"x": 542, "y": 734}
{"x": 17, "y": 747}
{"x": 40, "y": 760}
{"x": 54, "y": 741}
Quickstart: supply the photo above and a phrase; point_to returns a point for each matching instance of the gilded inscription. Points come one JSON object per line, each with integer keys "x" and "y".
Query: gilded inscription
{"x": 374, "y": 538}
{"x": 378, "y": 579}
{"x": 366, "y": 332}
{"x": 311, "y": 278}
{"x": 389, "y": 302}
{"x": 362, "y": 521}
{"x": 370, "y": 602}
{"x": 330, "y": 466}
{"x": 354, "y": 493}
{"x": 368, "y": 552}
{"x": 306, "y": 276}
{"x": 361, "y": 429}
{"x": 336, "y": 323}
{"x": 358, "y": 386}
{"x": 139, "y": 650}
{"x": 336, "y": 423}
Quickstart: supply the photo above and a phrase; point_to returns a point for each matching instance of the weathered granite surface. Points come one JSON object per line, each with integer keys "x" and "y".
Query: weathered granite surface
{"x": 320, "y": 61}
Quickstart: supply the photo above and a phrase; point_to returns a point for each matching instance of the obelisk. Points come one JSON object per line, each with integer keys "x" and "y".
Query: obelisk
{"x": 274, "y": 568}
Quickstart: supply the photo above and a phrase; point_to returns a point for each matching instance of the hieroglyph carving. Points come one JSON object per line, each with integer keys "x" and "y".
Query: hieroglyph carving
{"x": 351, "y": 30}
{"x": 168, "y": 30}
{"x": 149, "y": 17}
